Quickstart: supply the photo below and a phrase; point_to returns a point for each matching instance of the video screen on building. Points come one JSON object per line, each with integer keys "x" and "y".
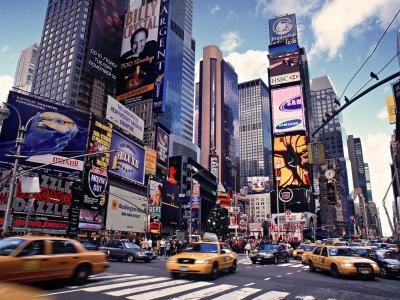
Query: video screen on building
{"x": 288, "y": 109}
{"x": 291, "y": 161}
{"x": 258, "y": 184}
{"x": 283, "y": 30}
{"x": 284, "y": 69}
{"x": 175, "y": 170}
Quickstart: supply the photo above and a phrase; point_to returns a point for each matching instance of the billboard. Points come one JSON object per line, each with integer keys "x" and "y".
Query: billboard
{"x": 5, "y": 177}
{"x": 391, "y": 109}
{"x": 126, "y": 211}
{"x": 151, "y": 161}
{"x": 105, "y": 38}
{"x": 258, "y": 184}
{"x": 283, "y": 30}
{"x": 294, "y": 199}
{"x": 155, "y": 188}
{"x": 128, "y": 161}
{"x": 284, "y": 69}
{"x": 162, "y": 147}
{"x": 170, "y": 204}
{"x": 282, "y": 50}
{"x": 175, "y": 170}
{"x": 143, "y": 53}
{"x": 90, "y": 219}
{"x": 53, "y": 132}
{"x": 288, "y": 109}
{"x": 290, "y": 155}
{"x": 124, "y": 118}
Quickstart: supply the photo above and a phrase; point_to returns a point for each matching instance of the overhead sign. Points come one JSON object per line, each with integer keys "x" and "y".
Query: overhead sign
{"x": 391, "y": 109}
{"x": 124, "y": 118}
{"x": 283, "y": 30}
{"x": 288, "y": 109}
{"x": 126, "y": 211}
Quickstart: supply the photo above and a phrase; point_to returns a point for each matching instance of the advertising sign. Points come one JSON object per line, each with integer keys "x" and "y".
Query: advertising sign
{"x": 125, "y": 211}
{"x": 124, "y": 118}
{"x": 90, "y": 219}
{"x": 175, "y": 170}
{"x": 290, "y": 153}
{"x": 288, "y": 109}
{"x": 5, "y": 178}
{"x": 283, "y": 30}
{"x": 162, "y": 147}
{"x": 155, "y": 199}
{"x": 151, "y": 161}
{"x": 143, "y": 53}
{"x": 391, "y": 109}
{"x": 195, "y": 200}
{"x": 170, "y": 204}
{"x": 281, "y": 51}
{"x": 284, "y": 69}
{"x": 53, "y": 132}
{"x": 255, "y": 227}
{"x": 258, "y": 184}
{"x": 105, "y": 38}
{"x": 214, "y": 166}
{"x": 128, "y": 161}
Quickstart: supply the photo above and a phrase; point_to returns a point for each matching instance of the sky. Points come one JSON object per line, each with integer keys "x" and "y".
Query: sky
{"x": 338, "y": 35}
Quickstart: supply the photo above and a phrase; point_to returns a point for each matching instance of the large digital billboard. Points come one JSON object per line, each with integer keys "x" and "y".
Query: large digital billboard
{"x": 128, "y": 161}
{"x": 284, "y": 69}
{"x": 288, "y": 109}
{"x": 282, "y": 50}
{"x": 143, "y": 53}
{"x": 105, "y": 38}
{"x": 162, "y": 149}
{"x": 291, "y": 161}
{"x": 170, "y": 204}
{"x": 258, "y": 184}
{"x": 283, "y": 30}
{"x": 53, "y": 132}
{"x": 175, "y": 170}
{"x": 126, "y": 211}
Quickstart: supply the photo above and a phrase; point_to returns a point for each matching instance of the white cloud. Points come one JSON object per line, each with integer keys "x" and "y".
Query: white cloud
{"x": 249, "y": 65}
{"x": 337, "y": 19}
{"x": 378, "y": 157}
{"x": 6, "y": 82}
{"x": 231, "y": 15}
{"x": 383, "y": 115}
{"x": 215, "y": 9}
{"x": 230, "y": 41}
{"x": 270, "y": 8}
{"x": 5, "y": 48}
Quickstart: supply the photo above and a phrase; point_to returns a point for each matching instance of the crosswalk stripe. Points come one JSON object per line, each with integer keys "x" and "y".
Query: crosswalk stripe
{"x": 208, "y": 292}
{"x": 238, "y": 295}
{"x": 107, "y": 280}
{"x": 272, "y": 295}
{"x": 296, "y": 266}
{"x": 285, "y": 265}
{"x": 136, "y": 281}
{"x": 111, "y": 276}
{"x": 169, "y": 291}
{"x": 140, "y": 288}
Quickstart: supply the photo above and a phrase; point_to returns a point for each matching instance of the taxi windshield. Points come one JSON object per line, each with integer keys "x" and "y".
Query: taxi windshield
{"x": 269, "y": 247}
{"x": 342, "y": 252}
{"x": 131, "y": 245}
{"x": 7, "y": 246}
{"x": 309, "y": 247}
{"x": 392, "y": 255}
{"x": 202, "y": 248}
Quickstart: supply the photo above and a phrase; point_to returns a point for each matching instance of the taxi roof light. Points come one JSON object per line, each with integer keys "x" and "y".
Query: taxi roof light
{"x": 210, "y": 237}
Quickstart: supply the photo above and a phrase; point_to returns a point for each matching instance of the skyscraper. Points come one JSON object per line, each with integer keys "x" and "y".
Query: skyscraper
{"x": 255, "y": 130}
{"x": 368, "y": 182}
{"x": 357, "y": 165}
{"x": 26, "y": 68}
{"x": 61, "y": 72}
{"x": 218, "y": 117}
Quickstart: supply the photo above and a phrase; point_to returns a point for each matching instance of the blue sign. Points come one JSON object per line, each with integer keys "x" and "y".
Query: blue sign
{"x": 128, "y": 161}
{"x": 293, "y": 103}
{"x": 53, "y": 132}
{"x": 283, "y": 30}
{"x": 195, "y": 202}
{"x": 97, "y": 181}
{"x": 288, "y": 124}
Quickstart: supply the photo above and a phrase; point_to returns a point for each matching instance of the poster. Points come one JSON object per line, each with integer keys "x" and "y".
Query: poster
{"x": 53, "y": 133}
{"x": 128, "y": 161}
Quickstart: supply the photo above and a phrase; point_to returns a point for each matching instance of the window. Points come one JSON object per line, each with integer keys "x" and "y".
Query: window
{"x": 324, "y": 252}
{"x": 317, "y": 251}
{"x": 62, "y": 247}
{"x": 33, "y": 248}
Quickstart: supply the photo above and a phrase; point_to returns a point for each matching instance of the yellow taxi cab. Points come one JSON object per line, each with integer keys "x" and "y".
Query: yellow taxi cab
{"x": 362, "y": 250}
{"x": 38, "y": 258}
{"x": 339, "y": 260}
{"x": 298, "y": 252}
{"x": 205, "y": 258}
{"x": 307, "y": 253}
{"x": 21, "y": 292}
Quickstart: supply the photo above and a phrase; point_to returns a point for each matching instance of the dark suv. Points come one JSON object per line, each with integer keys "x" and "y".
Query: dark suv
{"x": 270, "y": 253}
{"x": 125, "y": 250}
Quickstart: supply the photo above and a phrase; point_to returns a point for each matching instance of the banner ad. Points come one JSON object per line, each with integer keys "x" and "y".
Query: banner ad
{"x": 126, "y": 211}
{"x": 291, "y": 161}
{"x": 53, "y": 133}
{"x": 162, "y": 148}
{"x": 124, "y": 118}
{"x": 143, "y": 53}
{"x": 283, "y": 30}
{"x": 128, "y": 161}
{"x": 105, "y": 38}
{"x": 287, "y": 109}
{"x": 156, "y": 192}
{"x": 151, "y": 161}
{"x": 258, "y": 184}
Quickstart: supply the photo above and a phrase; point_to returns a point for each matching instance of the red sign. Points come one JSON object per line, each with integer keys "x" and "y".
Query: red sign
{"x": 155, "y": 227}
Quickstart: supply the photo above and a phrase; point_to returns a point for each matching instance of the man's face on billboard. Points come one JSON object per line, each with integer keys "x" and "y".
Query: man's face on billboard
{"x": 138, "y": 42}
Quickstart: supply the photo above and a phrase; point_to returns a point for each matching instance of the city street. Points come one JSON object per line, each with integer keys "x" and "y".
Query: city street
{"x": 284, "y": 281}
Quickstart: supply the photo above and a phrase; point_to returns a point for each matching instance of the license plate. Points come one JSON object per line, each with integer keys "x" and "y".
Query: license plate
{"x": 183, "y": 268}
{"x": 259, "y": 259}
{"x": 364, "y": 271}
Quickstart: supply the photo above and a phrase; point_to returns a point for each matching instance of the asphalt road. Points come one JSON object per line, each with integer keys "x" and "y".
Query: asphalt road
{"x": 283, "y": 281}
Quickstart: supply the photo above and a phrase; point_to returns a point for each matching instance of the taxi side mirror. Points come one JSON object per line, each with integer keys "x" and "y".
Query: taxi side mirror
{"x": 223, "y": 251}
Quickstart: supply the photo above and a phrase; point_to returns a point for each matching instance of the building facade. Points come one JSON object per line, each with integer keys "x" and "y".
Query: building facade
{"x": 259, "y": 207}
{"x": 255, "y": 130}
{"x": 218, "y": 129}
{"x": 26, "y": 67}
{"x": 357, "y": 165}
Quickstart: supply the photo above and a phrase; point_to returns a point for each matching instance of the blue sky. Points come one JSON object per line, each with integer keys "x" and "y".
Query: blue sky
{"x": 337, "y": 34}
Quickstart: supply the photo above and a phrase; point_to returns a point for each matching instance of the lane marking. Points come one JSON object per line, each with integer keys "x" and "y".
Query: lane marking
{"x": 208, "y": 292}
{"x": 249, "y": 284}
{"x": 124, "y": 278}
{"x": 272, "y": 295}
{"x": 58, "y": 293}
{"x": 308, "y": 297}
{"x": 145, "y": 279}
{"x": 289, "y": 273}
{"x": 279, "y": 276}
{"x": 140, "y": 288}
{"x": 285, "y": 265}
{"x": 267, "y": 278}
{"x": 296, "y": 266}
{"x": 248, "y": 267}
{"x": 169, "y": 291}
{"x": 298, "y": 271}
{"x": 238, "y": 295}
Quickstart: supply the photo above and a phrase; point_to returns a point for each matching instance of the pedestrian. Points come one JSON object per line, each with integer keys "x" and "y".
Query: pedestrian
{"x": 168, "y": 248}
{"x": 162, "y": 247}
{"x": 247, "y": 248}
{"x": 158, "y": 247}
{"x": 150, "y": 244}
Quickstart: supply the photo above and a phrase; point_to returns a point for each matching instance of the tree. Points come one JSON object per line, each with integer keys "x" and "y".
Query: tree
{"x": 218, "y": 222}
